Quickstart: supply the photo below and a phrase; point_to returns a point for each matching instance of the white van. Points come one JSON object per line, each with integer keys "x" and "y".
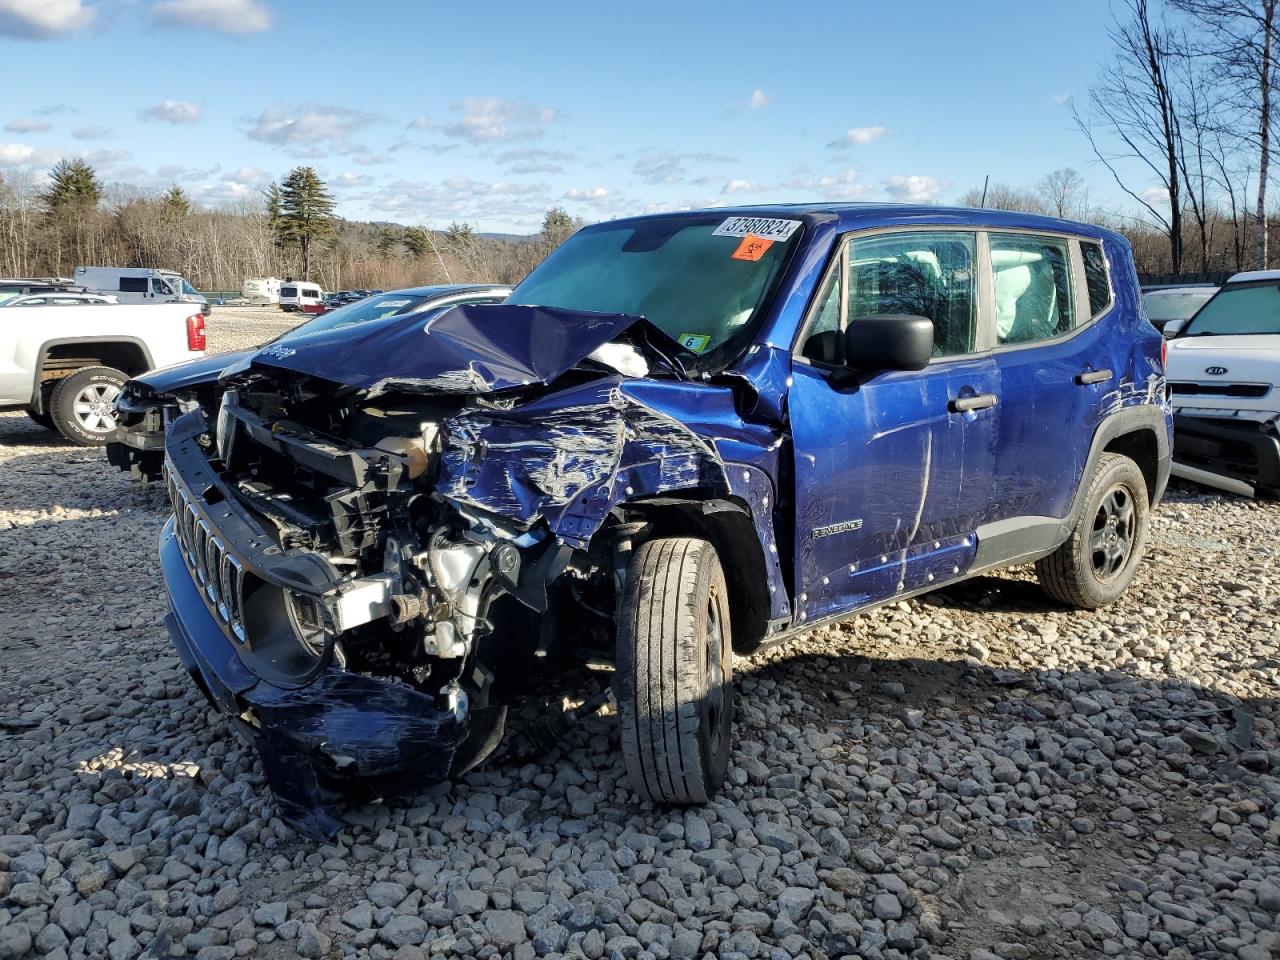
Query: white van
{"x": 261, "y": 290}
{"x": 299, "y": 295}
{"x": 140, "y": 285}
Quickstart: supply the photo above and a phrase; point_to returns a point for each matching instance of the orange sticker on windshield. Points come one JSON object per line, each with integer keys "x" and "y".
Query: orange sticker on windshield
{"x": 752, "y": 247}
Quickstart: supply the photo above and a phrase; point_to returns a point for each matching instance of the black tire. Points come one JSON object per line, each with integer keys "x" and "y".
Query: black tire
{"x": 43, "y": 419}
{"x": 68, "y": 403}
{"x": 1098, "y": 561}
{"x": 674, "y": 679}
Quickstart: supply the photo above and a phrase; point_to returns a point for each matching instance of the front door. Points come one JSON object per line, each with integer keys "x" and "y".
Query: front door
{"x": 891, "y": 468}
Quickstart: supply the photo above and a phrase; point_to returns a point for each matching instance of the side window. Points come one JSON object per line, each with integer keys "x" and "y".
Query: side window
{"x": 1095, "y": 277}
{"x": 160, "y": 287}
{"x": 133, "y": 284}
{"x": 822, "y": 342}
{"x": 1032, "y": 287}
{"x": 924, "y": 274}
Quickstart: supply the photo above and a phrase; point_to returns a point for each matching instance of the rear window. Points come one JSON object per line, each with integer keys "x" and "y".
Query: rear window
{"x": 288, "y": 291}
{"x": 1095, "y": 278}
{"x": 133, "y": 284}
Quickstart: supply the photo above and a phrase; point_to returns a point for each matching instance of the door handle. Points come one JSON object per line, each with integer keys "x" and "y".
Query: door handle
{"x": 979, "y": 401}
{"x": 1086, "y": 377}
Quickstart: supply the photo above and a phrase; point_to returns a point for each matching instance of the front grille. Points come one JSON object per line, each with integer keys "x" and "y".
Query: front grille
{"x": 1252, "y": 390}
{"x": 218, "y": 575}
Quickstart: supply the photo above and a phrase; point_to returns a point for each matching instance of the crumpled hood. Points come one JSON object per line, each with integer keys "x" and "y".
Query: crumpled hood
{"x": 470, "y": 349}
{"x": 191, "y": 373}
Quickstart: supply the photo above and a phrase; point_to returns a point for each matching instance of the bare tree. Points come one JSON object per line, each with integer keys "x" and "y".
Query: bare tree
{"x": 1060, "y": 190}
{"x": 1133, "y": 101}
{"x": 1241, "y": 39}
{"x": 1001, "y": 196}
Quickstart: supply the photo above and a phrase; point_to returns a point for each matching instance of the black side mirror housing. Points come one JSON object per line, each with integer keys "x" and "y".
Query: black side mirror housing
{"x": 889, "y": 341}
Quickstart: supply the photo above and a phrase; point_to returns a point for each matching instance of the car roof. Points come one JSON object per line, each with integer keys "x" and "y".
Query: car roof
{"x": 861, "y": 216}
{"x": 452, "y": 289}
{"x": 1251, "y": 275}
{"x": 1181, "y": 288}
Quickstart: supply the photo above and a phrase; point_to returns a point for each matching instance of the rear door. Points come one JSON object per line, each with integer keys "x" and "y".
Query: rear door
{"x": 1058, "y": 373}
{"x": 891, "y": 468}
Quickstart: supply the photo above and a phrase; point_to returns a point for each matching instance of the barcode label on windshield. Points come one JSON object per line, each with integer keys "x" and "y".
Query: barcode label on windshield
{"x": 766, "y": 228}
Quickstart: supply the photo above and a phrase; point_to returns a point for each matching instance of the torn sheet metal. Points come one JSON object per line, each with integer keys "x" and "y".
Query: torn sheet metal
{"x": 469, "y": 349}
{"x": 570, "y": 457}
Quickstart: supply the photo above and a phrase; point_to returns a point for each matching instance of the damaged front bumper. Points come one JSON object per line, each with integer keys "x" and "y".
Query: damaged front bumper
{"x": 338, "y": 730}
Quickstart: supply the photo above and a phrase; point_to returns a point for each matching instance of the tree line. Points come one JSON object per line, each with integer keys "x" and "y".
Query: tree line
{"x": 289, "y": 231}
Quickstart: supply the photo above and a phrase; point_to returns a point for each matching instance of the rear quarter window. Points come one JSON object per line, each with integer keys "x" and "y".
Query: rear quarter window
{"x": 1097, "y": 283}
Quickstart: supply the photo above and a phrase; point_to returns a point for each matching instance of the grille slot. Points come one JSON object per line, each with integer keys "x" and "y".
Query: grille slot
{"x": 218, "y": 575}
{"x": 1251, "y": 390}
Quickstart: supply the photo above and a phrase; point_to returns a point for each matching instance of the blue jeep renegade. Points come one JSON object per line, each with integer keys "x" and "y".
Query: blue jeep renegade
{"x": 693, "y": 434}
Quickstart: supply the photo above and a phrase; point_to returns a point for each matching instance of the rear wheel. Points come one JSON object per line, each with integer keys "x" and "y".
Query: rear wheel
{"x": 1097, "y": 563}
{"x": 674, "y": 680}
{"x": 83, "y": 405}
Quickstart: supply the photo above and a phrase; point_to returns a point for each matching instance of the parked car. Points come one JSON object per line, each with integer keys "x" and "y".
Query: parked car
{"x": 149, "y": 403}
{"x": 58, "y": 299}
{"x": 141, "y": 285}
{"x": 1175, "y": 305}
{"x": 21, "y": 286}
{"x": 693, "y": 434}
{"x": 65, "y": 365}
{"x": 1224, "y": 383}
{"x": 297, "y": 296}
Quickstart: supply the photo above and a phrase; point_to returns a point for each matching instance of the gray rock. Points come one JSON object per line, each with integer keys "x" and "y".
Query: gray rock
{"x": 312, "y": 943}
{"x": 403, "y": 929}
{"x": 504, "y": 928}
{"x": 886, "y": 906}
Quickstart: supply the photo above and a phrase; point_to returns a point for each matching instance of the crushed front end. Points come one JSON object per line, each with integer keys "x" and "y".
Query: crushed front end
{"x": 358, "y": 573}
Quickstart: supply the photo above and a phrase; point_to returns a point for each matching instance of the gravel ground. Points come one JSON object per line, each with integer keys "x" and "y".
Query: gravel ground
{"x": 975, "y": 774}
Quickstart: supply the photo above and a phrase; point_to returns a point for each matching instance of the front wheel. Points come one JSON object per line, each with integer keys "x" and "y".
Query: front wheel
{"x": 1098, "y": 561}
{"x": 674, "y": 679}
{"x": 83, "y": 405}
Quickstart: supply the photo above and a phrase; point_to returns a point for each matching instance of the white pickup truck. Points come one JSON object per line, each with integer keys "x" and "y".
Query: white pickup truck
{"x": 65, "y": 365}
{"x": 1223, "y": 370}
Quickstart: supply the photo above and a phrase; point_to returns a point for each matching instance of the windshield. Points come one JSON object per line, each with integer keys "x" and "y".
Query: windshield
{"x": 1165, "y": 305}
{"x": 700, "y": 278}
{"x": 374, "y": 308}
{"x": 1239, "y": 309}
{"x": 187, "y": 288}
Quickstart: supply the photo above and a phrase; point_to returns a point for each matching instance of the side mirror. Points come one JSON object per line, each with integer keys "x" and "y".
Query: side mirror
{"x": 889, "y": 341}
{"x": 1172, "y": 328}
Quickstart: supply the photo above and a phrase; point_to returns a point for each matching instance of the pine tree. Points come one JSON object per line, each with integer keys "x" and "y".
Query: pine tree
{"x": 557, "y": 225}
{"x": 417, "y": 242}
{"x": 387, "y": 241}
{"x": 459, "y": 237}
{"x": 305, "y": 212}
{"x": 72, "y": 185}
{"x": 175, "y": 203}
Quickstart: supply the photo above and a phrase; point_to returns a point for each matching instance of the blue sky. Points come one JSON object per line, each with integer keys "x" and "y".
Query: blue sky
{"x": 425, "y": 112}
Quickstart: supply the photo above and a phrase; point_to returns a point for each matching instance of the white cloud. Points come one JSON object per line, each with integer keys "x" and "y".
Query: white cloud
{"x": 27, "y": 125}
{"x": 21, "y": 155}
{"x": 657, "y": 168}
{"x": 305, "y": 129}
{"x": 223, "y": 16}
{"x": 844, "y": 185}
{"x": 741, "y": 186}
{"x": 418, "y": 201}
{"x": 173, "y": 111}
{"x": 489, "y": 119}
{"x": 915, "y": 189}
{"x": 465, "y": 186}
{"x": 420, "y": 122}
{"x": 248, "y": 175}
{"x": 759, "y": 99}
{"x": 857, "y": 136}
{"x": 347, "y": 181}
{"x": 1061, "y": 99}
{"x": 91, "y": 132}
{"x": 43, "y": 19}
{"x": 1156, "y": 196}
{"x": 600, "y": 199}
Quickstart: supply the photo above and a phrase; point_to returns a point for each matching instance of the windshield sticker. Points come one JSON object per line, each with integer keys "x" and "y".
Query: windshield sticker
{"x": 696, "y": 342}
{"x": 752, "y": 248}
{"x": 766, "y": 228}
